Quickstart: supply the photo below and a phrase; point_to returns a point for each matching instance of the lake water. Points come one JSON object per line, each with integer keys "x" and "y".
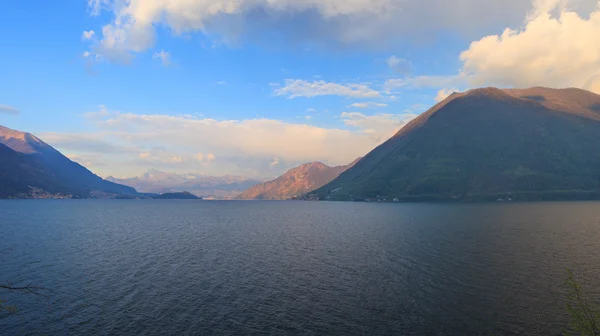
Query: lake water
{"x": 155, "y": 267}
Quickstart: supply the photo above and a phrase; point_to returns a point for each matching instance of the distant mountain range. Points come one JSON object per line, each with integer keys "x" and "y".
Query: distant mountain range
{"x": 486, "y": 144}
{"x": 295, "y": 182}
{"x": 30, "y": 168}
{"x": 155, "y": 181}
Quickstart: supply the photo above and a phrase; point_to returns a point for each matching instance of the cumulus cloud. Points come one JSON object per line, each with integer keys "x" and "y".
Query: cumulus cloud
{"x": 130, "y": 144}
{"x": 378, "y": 127}
{"x": 300, "y": 88}
{"x": 8, "y": 109}
{"x": 322, "y": 22}
{"x": 399, "y": 65}
{"x": 163, "y": 56}
{"x": 559, "y": 50}
{"x": 368, "y": 105}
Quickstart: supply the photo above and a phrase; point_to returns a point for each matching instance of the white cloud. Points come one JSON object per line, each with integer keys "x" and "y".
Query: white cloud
{"x": 130, "y": 144}
{"x": 311, "y": 110}
{"x": 560, "y": 50}
{"x": 274, "y": 163}
{"x": 417, "y": 82}
{"x": 87, "y": 35}
{"x": 368, "y": 105}
{"x": 326, "y": 22}
{"x": 400, "y": 65}
{"x": 98, "y": 142}
{"x": 154, "y": 156}
{"x": 84, "y": 160}
{"x": 8, "y": 109}
{"x": 443, "y": 94}
{"x": 163, "y": 56}
{"x": 300, "y": 88}
{"x": 378, "y": 127}
{"x": 96, "y": 6}
{"x": 308, "y": 117}
{"x": 222, "y": 83}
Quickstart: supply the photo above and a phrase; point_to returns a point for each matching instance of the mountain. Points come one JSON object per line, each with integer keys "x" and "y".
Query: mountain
{"x": 31, "y": 168}
{"x": 486, "y": 144}
{"x": 155, "y": 181}
{"x": 295, "y": 182}
{"x": 178, "y": 195}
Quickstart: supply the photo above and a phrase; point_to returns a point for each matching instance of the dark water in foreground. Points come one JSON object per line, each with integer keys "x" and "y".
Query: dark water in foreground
{"x": 240, "y": 268}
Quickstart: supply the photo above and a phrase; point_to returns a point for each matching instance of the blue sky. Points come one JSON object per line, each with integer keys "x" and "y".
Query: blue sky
{"x": 255, "y": 87}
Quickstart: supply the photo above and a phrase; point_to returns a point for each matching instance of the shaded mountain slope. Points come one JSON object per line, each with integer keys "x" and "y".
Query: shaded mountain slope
{"x": 20, "y": 171}
{"x": 486, "y": 143}
{"x": 295, "y": 182}
{"x": 30, "y": 162}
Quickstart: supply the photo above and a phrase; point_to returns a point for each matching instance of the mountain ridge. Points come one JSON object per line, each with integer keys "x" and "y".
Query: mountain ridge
{"x": 35, "y": 169}
{"x": 481, "y": 144}
{"x": 220, "y": 187}
{"x": 295, "y": 182}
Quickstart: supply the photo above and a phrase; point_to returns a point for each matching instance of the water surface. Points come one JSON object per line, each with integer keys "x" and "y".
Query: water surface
{"x": 157, "y": 267}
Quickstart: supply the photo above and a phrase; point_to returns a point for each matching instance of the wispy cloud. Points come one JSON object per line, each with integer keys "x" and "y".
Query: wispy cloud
{"x": 399, "y": 65}
{"x": 163, "y": 56}
{"x": 275, "y": 162}
{"x": 96, "y": 6}
{"x": 417, "y": 82}
{"x": 378, "y": 127}
{"x": 8, "y": 109}
{"x": 87, "y": 35}
{"x": 368, "y": 105}
{"x": 295, "y": 88}
{"x": 443, "y": 94}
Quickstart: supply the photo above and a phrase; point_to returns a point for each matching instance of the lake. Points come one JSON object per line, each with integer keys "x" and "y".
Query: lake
{"x": 157, "y": 267}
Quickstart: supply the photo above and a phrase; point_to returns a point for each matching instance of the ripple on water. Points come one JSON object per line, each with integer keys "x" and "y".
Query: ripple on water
{"x": 273, "y": 268}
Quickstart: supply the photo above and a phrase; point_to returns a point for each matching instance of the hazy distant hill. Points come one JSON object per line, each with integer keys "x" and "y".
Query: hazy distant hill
{"x": 178, "y": 195}
{"x": 536, "y": 143}
{"x": 31, "y": 167}
{"x": 155, "y": 181}
{"x": 295, "y": 182}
